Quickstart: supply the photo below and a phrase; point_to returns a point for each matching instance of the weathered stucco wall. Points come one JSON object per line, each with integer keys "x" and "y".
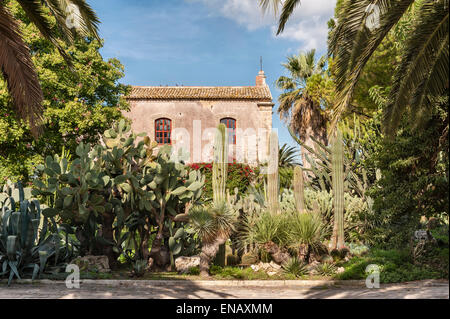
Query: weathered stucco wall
{"x": 195, "y": 117}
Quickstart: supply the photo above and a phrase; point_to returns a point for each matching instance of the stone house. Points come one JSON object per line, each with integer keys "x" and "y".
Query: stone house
{"x": 187, "y": 116}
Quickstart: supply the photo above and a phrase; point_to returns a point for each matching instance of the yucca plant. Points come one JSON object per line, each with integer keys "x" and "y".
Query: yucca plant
{"x": 213, "y": 226}
{"x": 305, "y": 233}
{"x": 264, "y": 228}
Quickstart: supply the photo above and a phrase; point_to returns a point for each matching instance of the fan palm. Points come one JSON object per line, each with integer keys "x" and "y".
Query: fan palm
{"x": 214, "y": 226}
{"x": 303, "y": 113}
{"x": 361, "y": 27}
{"x": 15, "y": 60}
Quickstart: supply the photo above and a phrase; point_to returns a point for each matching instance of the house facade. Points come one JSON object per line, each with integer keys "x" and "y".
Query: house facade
{"x": 187, "y": 117}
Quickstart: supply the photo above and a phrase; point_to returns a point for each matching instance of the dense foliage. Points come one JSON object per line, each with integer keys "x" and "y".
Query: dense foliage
{"x": 240, "y": 176}
{"x": 79, "y": 102}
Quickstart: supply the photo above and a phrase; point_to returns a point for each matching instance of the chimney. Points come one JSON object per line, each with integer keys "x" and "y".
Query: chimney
{"x": 261, "y": 79}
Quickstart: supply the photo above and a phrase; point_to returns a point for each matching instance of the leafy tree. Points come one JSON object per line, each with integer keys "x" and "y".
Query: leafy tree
{"x": 79, "y": 102}
{"x": 16, "y": 62}
{"x": 414, "y": 179}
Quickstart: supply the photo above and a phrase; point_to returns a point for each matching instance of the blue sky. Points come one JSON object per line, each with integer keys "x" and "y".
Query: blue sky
{"x": 207, "y": 42}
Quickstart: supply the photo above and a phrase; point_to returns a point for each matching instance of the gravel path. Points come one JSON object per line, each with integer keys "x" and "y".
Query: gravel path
{"x": 436, "y": 289}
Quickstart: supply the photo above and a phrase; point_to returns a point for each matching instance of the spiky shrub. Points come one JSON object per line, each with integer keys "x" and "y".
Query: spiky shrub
{"x": 24, "y": 250}
{"x": 272, "y": 174}
{"x": 337, "y": 163}
{"x": 326, "y": 269}
{"x": 305, "y": 233}
{"x": 299, "y": 189}
{"x": 266, "y": 227}
{"x": 294, "y": 266}
{"x": 213, "y": 225}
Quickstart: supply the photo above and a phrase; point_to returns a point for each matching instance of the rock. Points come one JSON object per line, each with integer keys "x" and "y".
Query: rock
{"x": 312, "y": 267}
{"x": 274, "y": 265}
{"x": 278, "y": 255}
{"x": 183, "y": 264}
{"x": 92, "y": 263}
{"x": 269, "y": 268}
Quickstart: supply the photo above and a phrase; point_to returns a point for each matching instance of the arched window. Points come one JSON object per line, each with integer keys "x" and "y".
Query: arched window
{"x": 230, "y": 123}
{"x": 163, "y": 128}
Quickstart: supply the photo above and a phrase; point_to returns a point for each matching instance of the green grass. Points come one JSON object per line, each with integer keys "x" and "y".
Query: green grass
{"x": 395, "y": 266}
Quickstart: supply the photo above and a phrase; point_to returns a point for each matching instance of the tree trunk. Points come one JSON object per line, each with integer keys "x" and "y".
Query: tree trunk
{"x": 209, "y": 251}
{"x": 320, "y": 136}
{"x": 107, "y": 234}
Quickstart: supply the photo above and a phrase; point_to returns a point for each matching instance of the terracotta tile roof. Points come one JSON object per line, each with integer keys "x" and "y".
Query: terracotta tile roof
{"x": 261, "y": 93}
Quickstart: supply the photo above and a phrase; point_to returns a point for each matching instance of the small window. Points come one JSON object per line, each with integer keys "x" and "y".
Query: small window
{"x": 230, "y": 123}
{"x": 163, "y": 129}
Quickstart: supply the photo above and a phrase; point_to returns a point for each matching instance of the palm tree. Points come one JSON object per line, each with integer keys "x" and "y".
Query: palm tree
{"x": 15, "y": 60}
{"x": 214, "y": 226}
{"x": 287, "y": 156}
{"x": 362, "y": 26}
{"x": 303, "y": 113}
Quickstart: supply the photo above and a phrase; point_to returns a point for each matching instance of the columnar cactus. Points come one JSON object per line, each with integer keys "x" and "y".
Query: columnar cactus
{"x": 220, "y": 167}
{"x": 219, "y": 177}
{"x": 272, "y": 173}
{"x": 299, "y": 189}
{"x": 337, "y": 164}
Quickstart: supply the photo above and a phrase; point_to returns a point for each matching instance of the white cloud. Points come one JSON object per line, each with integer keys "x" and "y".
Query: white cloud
{"x": 307, "y": 25}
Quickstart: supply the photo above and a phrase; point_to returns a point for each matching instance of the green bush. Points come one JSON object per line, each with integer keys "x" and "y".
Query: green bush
{"x": 395, "y": 266}
{"x": 239, "y": 176}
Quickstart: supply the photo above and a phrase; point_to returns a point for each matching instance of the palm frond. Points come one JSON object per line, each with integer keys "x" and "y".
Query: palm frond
{"x": 270, "y": 4}
{"x": 424, "y": 65}
{"x": 286, "y": 12}
{"x": 352, "y": 43}
{"x": 17, "y": 69}
{"x": 287, "y": 156}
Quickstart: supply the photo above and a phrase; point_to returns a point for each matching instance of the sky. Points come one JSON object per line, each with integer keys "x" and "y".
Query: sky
{"x": 208, "y": 42}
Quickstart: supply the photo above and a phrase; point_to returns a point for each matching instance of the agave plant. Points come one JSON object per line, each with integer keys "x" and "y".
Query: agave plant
{"x": 295, "y": 266}
{"x": 326, "y": 269}
{"x": 24, "y": 250}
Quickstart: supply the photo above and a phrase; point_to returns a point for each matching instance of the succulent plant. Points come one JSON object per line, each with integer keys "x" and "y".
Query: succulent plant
{"x": 120, "y": 183}
{"x": 249, "y": 258}
{"x": 272, "y": 174}
{"x": 220, "y": 164}
{"x": 338, "y": 190}
{"x": 299, "y": 189}
{"x": 24, "y": 250}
